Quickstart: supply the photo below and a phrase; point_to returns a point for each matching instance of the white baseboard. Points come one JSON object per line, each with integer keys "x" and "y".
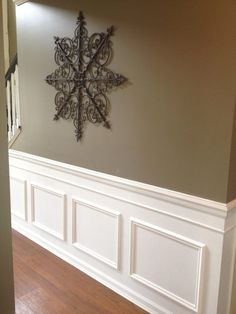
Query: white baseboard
{"x": 161, "y": 249}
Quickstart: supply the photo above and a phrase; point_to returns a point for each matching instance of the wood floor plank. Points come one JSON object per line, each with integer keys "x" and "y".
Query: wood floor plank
{"x": 45, "y": 284}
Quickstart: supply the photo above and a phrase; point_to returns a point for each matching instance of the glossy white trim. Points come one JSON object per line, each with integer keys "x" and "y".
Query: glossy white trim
{"x": 215, "y": 208}
{"x": 193, "y": 203}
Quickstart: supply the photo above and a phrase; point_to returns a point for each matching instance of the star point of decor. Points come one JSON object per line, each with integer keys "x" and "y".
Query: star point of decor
{"x": 82, "y": 78}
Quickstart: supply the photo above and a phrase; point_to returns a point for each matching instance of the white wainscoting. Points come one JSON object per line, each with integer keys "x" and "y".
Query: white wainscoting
{"x": 161, "y": 249}
{"x": 18, "y": 198}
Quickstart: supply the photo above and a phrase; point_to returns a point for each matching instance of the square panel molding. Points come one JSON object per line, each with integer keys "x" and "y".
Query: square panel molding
{"x": 18, "y": 188}
{"x": 176, "y": 268}
{"x": 48, "y": 210}
{"x": 96, "y": 231}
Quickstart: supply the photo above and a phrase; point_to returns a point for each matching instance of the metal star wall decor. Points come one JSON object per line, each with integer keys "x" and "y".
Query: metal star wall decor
{"x": 82, "y": 78}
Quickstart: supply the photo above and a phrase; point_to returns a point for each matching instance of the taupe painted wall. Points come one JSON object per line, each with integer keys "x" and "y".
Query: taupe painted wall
{"x": 6, "y": 278}
{"x": 232, "y": 170}
{"x": 12, "y": 30}
{"x": 172, "y": 125}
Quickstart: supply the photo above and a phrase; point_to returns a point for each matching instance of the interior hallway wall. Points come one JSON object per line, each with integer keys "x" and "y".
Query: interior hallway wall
{"x": 232, "y": 169}
{"x": 12, "y": 29}
{"x": 6, "y": 276}
{"x": 172, "y": 124}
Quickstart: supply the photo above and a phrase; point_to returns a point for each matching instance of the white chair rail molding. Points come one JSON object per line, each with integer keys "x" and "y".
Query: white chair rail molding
{"x": 168, "y": 252}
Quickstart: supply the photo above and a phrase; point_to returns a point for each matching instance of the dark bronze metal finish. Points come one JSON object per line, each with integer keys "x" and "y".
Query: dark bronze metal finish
{"x": 82, "y": 78}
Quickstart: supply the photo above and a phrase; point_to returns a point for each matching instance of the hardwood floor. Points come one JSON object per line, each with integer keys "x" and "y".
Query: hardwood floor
{"x": 45, "y": 284}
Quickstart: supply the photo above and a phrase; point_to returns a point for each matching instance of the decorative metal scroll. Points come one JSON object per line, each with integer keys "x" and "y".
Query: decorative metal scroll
{"x": 82, "y": 78}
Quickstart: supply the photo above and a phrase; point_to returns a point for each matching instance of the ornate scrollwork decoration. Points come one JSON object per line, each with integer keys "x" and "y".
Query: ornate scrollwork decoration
{"x": 82, "y": 78}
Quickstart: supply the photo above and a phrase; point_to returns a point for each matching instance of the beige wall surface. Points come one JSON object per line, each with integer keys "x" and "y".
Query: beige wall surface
{"x": 12, "y": 29}
{"x": 232, "y": 169}
{"x": 172, "y": 124}
{"x": 6, "y": 277}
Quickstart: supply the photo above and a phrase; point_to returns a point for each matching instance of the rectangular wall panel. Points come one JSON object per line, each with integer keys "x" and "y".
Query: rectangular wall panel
{"x": 167, "y": 262}
{"x": 48, "y": 210}
{"x": 18, "y": 197}
{"x": 96, "y": 231}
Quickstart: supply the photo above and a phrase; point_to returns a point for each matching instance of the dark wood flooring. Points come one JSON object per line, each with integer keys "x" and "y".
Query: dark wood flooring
{"x": 45, "y": 284}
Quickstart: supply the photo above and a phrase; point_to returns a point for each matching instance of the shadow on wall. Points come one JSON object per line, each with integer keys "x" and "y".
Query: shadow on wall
{"x": 232, "y": 169}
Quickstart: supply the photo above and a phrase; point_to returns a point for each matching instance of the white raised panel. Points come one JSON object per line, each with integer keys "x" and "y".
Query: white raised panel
{"x": 18, "y": 197}
{"x": 48, "y": 210}
{"x": 167, "y": 262}
{"x": 96, "y": 231}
